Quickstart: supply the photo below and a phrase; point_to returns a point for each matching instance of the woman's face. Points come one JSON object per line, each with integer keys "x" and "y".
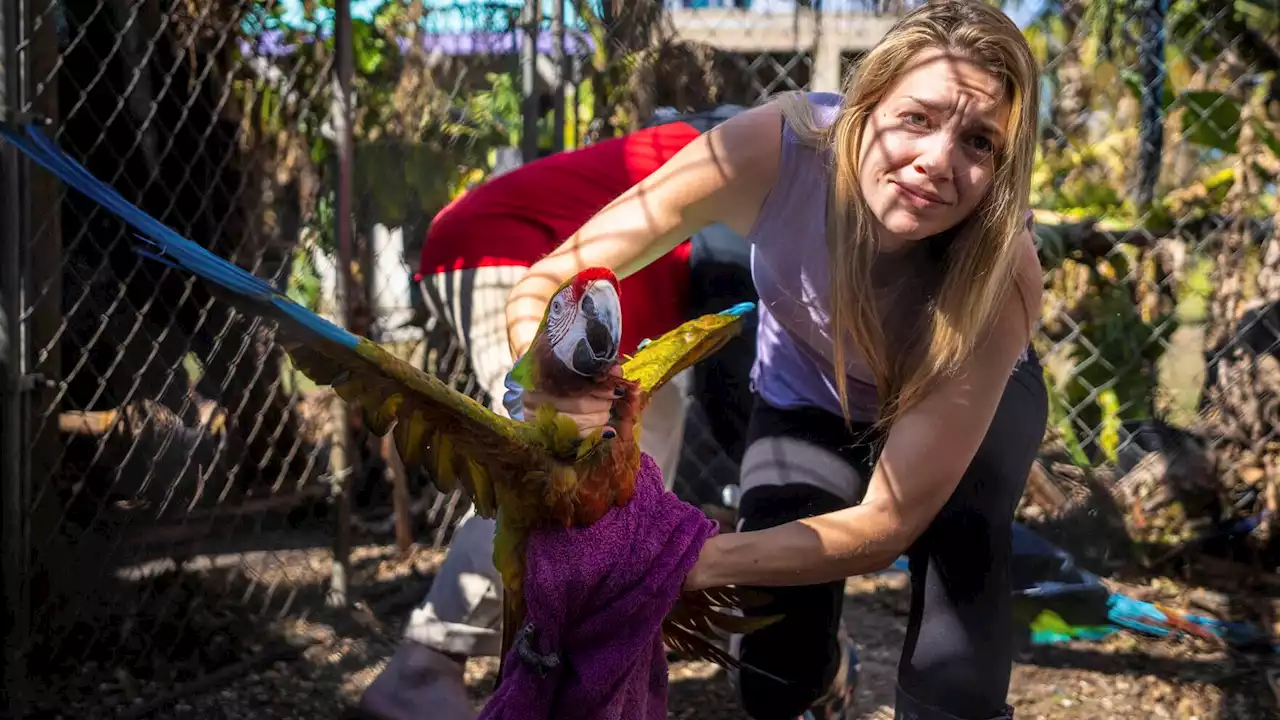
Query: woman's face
{"x": 928, "y": 152}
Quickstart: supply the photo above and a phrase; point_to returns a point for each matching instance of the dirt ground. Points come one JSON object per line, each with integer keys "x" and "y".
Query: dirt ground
{"x": 1124, "y": 677}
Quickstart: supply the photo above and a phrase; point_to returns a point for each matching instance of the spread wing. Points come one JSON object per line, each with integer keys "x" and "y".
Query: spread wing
{"x": 657, "y": 361}
{"x": 462, "y": 443}
{"x": 697, "y": 618}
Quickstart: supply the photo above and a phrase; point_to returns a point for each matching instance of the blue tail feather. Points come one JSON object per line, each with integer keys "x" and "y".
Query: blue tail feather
{"x": 169, "y": 247}
{"x": 185, "y": 253}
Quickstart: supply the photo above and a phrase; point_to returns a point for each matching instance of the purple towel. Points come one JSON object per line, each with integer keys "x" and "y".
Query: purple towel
{"x": 595, "y": 599}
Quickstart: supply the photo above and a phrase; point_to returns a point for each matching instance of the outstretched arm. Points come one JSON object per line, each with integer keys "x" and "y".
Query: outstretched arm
{"x": 722, "y": 176}
{"x": 911, "y": 482}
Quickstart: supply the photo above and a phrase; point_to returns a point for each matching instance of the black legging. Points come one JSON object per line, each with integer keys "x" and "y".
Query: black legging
{"x": 958, "y": 653}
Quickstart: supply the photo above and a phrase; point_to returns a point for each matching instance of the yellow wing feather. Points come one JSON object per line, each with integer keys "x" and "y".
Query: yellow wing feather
{"x": 461, "y": 443}
{"x": 657, "y": 362}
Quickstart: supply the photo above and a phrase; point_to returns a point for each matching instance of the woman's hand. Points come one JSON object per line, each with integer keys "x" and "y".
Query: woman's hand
{"x": 590, "y": 412}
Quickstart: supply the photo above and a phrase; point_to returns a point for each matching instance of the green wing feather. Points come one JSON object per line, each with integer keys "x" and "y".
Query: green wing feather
{"x": 461, "y": 443}
{"x": 656, "y": 362}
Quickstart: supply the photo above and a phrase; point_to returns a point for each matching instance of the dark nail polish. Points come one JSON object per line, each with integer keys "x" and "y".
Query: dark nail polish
{"x": 609, "y": 434}
{"x": 619, "y": 392}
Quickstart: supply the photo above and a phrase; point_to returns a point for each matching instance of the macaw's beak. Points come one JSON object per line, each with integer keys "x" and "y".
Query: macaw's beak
{"x": 601, "y": 312}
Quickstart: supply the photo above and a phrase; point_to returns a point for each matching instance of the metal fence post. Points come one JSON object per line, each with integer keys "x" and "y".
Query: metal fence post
{"x": 530, "y": 19}
{"x": 343, "y": 456}
{"x": 560, "y": 61}
{"x": 12, "y": 366}
{"x": 1151, "y": 49}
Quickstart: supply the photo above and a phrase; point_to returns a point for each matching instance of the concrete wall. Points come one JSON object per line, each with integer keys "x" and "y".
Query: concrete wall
{"x": 778, "y": 27}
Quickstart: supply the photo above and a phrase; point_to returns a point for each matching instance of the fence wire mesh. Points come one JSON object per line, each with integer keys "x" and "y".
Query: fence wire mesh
{"x": 173, "y": 476}
{"x": 172, "y": 509}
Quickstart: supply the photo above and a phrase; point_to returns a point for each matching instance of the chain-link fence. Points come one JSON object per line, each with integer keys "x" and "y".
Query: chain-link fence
{"x": 1156, "y": 195}
{"x": 171, "y": 481}
{"x": 170, "y": 499}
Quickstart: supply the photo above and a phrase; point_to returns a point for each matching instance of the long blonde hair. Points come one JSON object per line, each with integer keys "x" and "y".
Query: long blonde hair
{"x": 982, "y": 261}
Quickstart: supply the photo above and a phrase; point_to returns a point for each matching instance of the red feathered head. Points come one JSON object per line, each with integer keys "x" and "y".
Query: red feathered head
{"x": 581, "y": 330}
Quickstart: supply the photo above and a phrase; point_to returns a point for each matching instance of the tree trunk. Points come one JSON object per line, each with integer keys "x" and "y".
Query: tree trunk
{"x": 1071, "y": 100}
{"x": 1151, "y": 125}
{"x": 630, "y": 27}
{"x": 1242, "y": 377}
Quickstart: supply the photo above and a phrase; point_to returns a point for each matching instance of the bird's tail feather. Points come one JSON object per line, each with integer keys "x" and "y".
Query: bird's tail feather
{"x": 162, "y": 244}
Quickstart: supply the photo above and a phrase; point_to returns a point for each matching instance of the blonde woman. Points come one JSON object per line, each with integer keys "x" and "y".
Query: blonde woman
{"x": 898, "y": 404}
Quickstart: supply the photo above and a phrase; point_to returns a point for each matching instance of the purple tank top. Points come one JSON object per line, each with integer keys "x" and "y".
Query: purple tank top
{"x": 789, "y": 263}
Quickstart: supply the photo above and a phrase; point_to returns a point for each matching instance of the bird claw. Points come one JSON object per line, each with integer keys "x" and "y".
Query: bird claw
{"x": 539, "y": 663}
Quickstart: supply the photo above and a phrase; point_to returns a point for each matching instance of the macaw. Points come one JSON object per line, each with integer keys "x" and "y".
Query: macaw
{"x": 523, "y": 473}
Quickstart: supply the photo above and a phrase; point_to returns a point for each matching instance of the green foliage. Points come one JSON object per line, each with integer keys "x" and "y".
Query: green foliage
{"x": 369, "y": 48}
{"x": 304, "y": 281}
{"x": 1078, "y": 183}
{"x": 1198, "y": 29}
{"x": 1133, "y": 81}
{"x": 1195, "y": 291}
{"x": 415, "y": 144}
{"x": 322, "y": 226}
{"x": 1211, "y": 119}
{"x": 498, "y": 107}
{"x": 1269, "y": 137}
{"x": 1061, "y": 424}
{"x": 1109, "y": 422}
{"x": 1113, "y": 378}
{"x": 585, "y": 99}
{"x": 401, "y": 182}
{"x": 1263, "y": 16}
{"x": 1106, "y": 354}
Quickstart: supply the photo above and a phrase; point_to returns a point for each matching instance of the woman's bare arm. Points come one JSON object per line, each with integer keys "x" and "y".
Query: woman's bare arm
{"x": 908, "y": 488}
{"x": 722, "y": 176}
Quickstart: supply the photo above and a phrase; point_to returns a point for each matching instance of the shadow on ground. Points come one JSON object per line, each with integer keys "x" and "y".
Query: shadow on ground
{"x": 1123, "y": 677}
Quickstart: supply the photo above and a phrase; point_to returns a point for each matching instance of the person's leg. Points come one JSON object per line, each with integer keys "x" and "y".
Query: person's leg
{"x": 958, "y": 653}
{"x": 459, "y": 618}
{"x": 798, "y": 464}
{"x": 461, "y": 611}
{"x": 475, "y": 301}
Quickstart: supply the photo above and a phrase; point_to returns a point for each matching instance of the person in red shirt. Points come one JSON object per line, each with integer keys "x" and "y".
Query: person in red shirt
{"x": 476, "y": 249}
{"x": 480, "y": 244}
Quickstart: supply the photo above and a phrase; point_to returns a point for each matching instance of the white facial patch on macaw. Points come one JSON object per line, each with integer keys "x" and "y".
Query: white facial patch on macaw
{"x": 584, "y": 333}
